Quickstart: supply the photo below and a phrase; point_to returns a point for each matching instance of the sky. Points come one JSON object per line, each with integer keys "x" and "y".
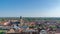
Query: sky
{"x": 30, "y": 8}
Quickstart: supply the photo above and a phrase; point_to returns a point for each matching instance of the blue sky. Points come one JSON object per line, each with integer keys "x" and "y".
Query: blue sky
{"x": 30, "y": 8}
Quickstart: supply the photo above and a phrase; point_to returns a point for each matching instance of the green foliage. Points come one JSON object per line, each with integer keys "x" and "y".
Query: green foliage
{"x": 53, "y": 26}
{"x": 1, "y": 19}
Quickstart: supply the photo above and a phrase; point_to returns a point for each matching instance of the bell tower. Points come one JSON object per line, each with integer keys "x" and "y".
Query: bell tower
{"x": 21, "y": 21}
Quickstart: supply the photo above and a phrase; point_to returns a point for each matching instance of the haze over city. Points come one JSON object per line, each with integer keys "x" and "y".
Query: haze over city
{"x": 30, "y": 8}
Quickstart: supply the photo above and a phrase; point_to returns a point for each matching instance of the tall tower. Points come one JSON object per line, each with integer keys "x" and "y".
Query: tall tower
{"x": 21, "y": 21}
